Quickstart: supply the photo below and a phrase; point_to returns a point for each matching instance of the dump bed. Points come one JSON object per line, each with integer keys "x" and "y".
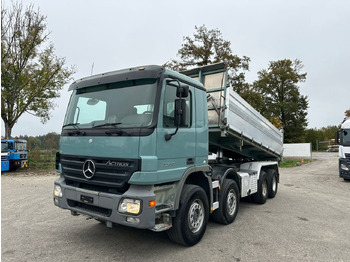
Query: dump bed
{"x": 235, "y": 127}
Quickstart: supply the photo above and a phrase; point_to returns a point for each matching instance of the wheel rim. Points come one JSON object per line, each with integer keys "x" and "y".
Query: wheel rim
{"x": 196, "y": 216}
{"x": 231, "y": 202}
{"x": 264, "y": 188}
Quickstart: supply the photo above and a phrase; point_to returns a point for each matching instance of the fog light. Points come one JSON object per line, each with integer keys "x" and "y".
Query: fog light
{"x": 131, "y": 206}
{"x": 57, "y": 192}
{"x": 344, "y": 167}
{"x": 133, "y": 220}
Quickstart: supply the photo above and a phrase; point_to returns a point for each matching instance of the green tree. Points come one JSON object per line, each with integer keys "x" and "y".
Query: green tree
{"x": 33, "y": 142}
{"x": 208, "y": 47}
{"x": 321, "y": 138}
{"x": 278, "y": 86}
{"x": 51, "y": 140}
{"x": 31, "y": 74}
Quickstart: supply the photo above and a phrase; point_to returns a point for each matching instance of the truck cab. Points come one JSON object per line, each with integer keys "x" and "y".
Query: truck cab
{"x": 17, "y": 153}
{"x": 343, "y": 138}
{"x": 123, "y": 139}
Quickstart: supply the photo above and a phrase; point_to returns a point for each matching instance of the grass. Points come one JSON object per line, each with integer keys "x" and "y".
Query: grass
{"x": 294, "y": 162}
{"x": 42, "y": 160}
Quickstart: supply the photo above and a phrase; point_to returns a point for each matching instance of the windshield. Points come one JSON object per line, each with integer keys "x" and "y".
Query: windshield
{"x": 122, "y": 104}
{"x": 345, "y": 136}
{"x": 21, "y": 146}
{"x": 4, "y": 147}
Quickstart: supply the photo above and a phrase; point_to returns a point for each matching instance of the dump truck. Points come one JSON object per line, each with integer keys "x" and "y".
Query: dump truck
{"x": 342, "y": 137}
{"x": 151, "y": 148}
{"x": 14, "y": 154}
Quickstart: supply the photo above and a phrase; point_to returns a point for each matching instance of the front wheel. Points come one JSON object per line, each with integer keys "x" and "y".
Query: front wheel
{"x": 191, "y": 219}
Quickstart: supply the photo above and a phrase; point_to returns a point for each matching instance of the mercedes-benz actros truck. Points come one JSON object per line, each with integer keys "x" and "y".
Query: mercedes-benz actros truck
{"x": 151, "y": 148}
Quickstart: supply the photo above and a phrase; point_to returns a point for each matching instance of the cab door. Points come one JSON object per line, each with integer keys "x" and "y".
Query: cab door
{"x": 178, "y": 153}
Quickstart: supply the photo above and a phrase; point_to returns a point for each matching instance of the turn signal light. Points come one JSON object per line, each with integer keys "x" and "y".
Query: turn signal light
{"x": 152, "y": 203}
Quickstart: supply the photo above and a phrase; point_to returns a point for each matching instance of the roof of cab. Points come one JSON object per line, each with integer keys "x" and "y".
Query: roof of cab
{"x": 134, "y": 73}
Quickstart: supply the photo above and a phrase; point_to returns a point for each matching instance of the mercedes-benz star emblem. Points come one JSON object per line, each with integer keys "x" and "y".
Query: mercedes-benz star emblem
{"x": 89, "y": 169}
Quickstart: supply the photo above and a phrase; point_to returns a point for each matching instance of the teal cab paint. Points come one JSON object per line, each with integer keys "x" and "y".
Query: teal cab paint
{"x": 187, "y": 148}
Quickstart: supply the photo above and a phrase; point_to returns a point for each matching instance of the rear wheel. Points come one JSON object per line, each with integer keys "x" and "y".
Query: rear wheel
{"x": 191, "y": 219}
{"x": 260, "y": 197}
{"x": 272, "y": 177}
{"x": 228, "y": 203}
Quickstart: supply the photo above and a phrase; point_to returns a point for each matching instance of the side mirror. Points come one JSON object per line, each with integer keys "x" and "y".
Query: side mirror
{"x": 182, "y": 91}
{"x": 180, "y": 113}
{"x": 337, "y": 139}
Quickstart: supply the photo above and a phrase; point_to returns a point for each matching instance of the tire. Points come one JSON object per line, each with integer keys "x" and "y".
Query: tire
{"x": 260, "y": 197}
{"x": 191, "y": 219}
{"x": 228, "y": 203}
{"x": 272, "y": 177}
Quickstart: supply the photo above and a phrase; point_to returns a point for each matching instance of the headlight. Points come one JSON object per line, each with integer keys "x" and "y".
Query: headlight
{"x": 57, "y": 192}
{"x": 130, "y": 206}
{"x": 344, "y": 167}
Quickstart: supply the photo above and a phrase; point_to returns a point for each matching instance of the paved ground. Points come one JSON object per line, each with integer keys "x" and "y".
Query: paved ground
{"x": 309, "y": 220}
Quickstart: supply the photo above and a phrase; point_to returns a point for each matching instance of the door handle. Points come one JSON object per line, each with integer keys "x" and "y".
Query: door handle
{"x": 190, "y": 161}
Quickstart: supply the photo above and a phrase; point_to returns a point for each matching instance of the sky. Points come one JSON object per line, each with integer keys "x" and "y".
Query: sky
{"x": 107, "y": 35}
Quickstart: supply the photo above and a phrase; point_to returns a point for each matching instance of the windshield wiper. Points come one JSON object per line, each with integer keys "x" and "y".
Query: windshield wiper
{"x": 108, "y": 124}
{"x": 118, "y": 132}
{"x": 75, "y": 125}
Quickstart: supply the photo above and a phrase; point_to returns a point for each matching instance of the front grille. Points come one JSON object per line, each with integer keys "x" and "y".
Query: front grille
{"x": 107, "y": 178}
{"x": 23, "y": 156}
{"x": 347, "y": 156}
{"x": 91, "y": 209}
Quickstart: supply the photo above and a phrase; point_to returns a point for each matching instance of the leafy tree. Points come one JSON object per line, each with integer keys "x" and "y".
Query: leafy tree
{"x": 278, "y": 86}
{"x": 31, "y": 74}
{"x": 347, "y": 115}
{"x": 51, "y": 140}
{"x": 33, "y": 142}
{"x": 321, "y": 138}
{"x": 208, "y": 47}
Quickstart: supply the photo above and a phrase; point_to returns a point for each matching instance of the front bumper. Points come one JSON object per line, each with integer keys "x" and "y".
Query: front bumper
{"x": 104, "y": 206}
{"x": 344, "y": 168}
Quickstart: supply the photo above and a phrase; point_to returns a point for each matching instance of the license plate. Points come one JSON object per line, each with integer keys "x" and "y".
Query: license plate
{"x": 87, "y": 199}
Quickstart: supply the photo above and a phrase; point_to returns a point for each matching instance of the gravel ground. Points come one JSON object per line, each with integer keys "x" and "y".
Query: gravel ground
{"x": 308, "y": 220}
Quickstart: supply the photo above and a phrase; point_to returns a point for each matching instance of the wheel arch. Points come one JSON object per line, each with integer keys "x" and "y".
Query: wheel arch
{"x": 268, "y": 168}
{"x": 221, "y": 173}
{"x": 195, "y": 176}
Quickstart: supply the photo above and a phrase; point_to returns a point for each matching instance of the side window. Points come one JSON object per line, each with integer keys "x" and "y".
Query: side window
{"x": 169, "y": 108}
